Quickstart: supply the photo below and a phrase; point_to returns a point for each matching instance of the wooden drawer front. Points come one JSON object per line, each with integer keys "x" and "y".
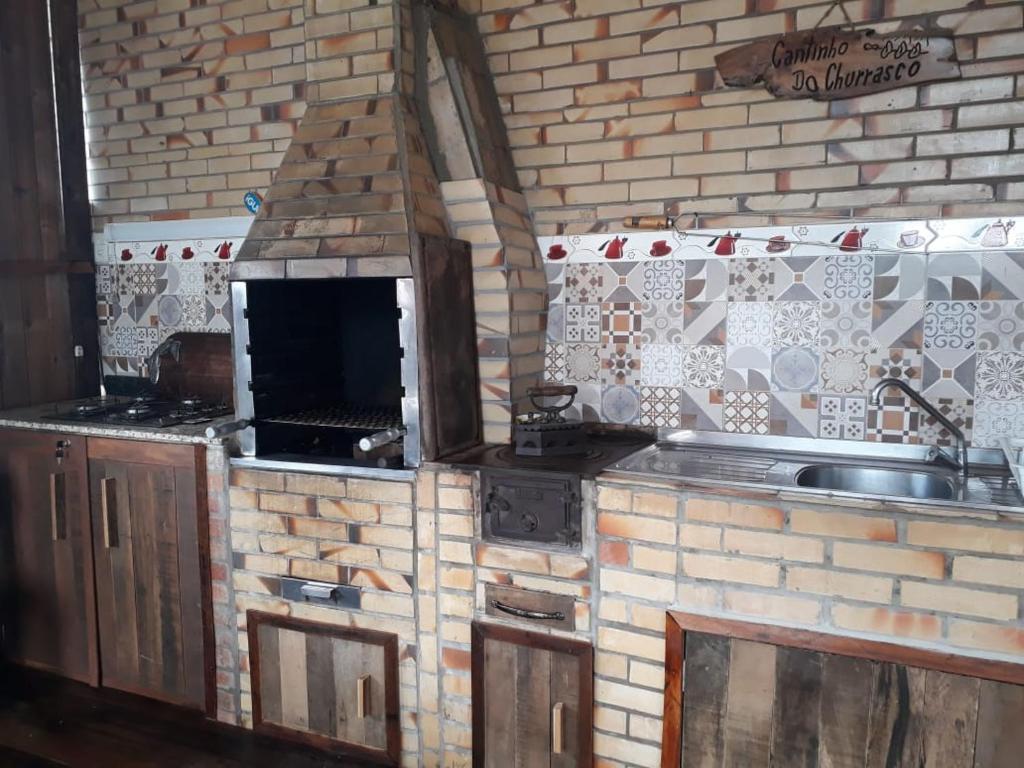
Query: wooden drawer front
{"x": 333, "y": 687}
{"x": 532, "y": 700}
{"x": 541, "y": 609}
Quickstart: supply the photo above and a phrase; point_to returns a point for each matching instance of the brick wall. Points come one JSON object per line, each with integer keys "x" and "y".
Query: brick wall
{"x": 951, "y": 583}
{"x": 187, "y": 106}
{"x": 615, "y": 108}
{"x": 348, "y": 531}
{"x": 225, "y": 639}
{"x": 453, "y": 569}
{"x": 612, "y": 109}
{"x": 509, "y": 295}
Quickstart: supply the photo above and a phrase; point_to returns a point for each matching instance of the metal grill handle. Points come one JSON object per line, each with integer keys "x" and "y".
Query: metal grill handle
{"x": 382, "y": 438}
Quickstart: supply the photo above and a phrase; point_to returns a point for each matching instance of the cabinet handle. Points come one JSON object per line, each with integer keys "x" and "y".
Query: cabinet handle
{"x": 108, "y": 503}
{"x": 58, "y": 506}
{"x": 363, "y": 696}
{"x": 557, "y": 728}
{"x": 525, "y": 614}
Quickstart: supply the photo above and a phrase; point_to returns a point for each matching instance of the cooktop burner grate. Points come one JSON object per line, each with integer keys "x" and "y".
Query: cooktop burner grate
{"x": 142, "y": 411}
{"x": 507, "y": 453}
{"x": 342, "y": 417}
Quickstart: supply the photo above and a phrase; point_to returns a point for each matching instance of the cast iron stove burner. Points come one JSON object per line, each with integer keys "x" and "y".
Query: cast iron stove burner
{"x": 191, "y": 403}
{"x": 138, "y": 411}
{"x": 507, "y": 455}
{"x": 86, "y": 409}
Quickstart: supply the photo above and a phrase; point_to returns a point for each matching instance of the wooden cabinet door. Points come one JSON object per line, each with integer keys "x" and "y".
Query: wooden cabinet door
{"x": 532, "y": 699}
{"x": 46, "y": 596}
{"x": 334, "y": 687}
{"x": 148, "y": 509}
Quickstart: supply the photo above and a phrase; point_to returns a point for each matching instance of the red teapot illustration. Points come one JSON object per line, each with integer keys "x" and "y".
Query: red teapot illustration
{"x": 187, "y": 253}
{"x": 126, "y": 255}
{"x": 557, "y": 252}
{"x": 614, "y": 246}
{"x": 160, "y": 252}
{"x": 224, "y": 250}
{"x": 660, "y": 248}
{"x": 726, "y": 243}
{"x": 853, "y": 239}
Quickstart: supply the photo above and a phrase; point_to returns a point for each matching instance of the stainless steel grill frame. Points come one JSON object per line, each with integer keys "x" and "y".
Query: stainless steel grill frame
{"x": 410, "y": 414}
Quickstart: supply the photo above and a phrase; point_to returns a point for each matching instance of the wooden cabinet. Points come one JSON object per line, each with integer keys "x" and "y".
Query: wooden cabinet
{"x": 532, "y": 699}
{"x": 148, "y": 508}
{"x": 330, "y": 686}
{"x": 49, "y": 621}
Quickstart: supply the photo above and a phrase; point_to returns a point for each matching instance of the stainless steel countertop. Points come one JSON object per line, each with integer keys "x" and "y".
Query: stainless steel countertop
{"x": 720, "y": 460}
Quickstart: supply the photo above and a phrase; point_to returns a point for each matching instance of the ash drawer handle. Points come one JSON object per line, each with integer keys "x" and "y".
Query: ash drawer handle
{"x": 525, "y": 614}
{"x": 108, "y": 504}
{"x": 58, "y": 506}
{"x": 558, "y": 728}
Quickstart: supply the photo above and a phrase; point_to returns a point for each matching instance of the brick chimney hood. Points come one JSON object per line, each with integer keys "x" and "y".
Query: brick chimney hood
{"x": 356, "y": 189}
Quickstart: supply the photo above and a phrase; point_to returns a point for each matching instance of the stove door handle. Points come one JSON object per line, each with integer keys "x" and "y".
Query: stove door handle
{"x": 522, "y": 613}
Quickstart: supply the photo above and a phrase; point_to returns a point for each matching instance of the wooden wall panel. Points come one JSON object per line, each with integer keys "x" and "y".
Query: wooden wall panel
{"x": 756, "y": 695}
{"x": 47, "y": 289}
{"x": 309, "y": 680}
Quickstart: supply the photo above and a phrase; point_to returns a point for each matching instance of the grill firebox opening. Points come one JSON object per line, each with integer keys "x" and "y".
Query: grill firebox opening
{"x": 326, "y": 366}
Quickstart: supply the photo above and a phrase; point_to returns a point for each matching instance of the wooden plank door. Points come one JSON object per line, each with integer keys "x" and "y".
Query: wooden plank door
{"x": 756, "y": 695}
{"x": 532, "y": 699}
{"x": 49, "y": 618}
{"x": 151, "y": 569}
{"x": 330, "y": 686}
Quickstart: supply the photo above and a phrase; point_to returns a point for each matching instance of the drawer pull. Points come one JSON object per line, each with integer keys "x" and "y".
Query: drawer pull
{"x": 363, "y": 696}
{"x": 108, "y": 504}
{"x": 558, "y": 728}
{"x": 58, "y": 506}
{"x": 522, "y": 613}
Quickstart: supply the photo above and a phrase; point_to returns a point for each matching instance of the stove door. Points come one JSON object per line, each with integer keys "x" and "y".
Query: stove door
{"x": 531, "y": 507}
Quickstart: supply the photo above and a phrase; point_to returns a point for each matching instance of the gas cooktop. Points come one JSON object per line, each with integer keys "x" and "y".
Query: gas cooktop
{"x": 142, "y": 411}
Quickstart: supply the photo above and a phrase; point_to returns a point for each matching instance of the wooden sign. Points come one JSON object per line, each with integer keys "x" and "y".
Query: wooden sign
{"x": 833, "y": 63}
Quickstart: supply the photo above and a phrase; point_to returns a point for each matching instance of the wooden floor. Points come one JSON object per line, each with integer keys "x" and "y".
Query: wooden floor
{"x": 47, "y": 722}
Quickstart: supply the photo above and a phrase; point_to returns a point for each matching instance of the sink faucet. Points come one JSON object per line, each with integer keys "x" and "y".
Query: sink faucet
{"x": 961, "y": 444}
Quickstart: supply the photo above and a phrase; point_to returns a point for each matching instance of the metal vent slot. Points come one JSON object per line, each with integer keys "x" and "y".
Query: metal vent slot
{"x": 712, "y": 466}
{"x": 342, "y": 417}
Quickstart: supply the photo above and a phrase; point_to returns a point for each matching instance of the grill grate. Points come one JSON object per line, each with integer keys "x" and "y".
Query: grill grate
{"x": 712, "y": 466}
{"x": 343, "y": 417}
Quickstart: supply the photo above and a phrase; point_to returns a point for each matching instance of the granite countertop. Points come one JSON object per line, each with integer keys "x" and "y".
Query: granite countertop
{"x": 36, "y": 418}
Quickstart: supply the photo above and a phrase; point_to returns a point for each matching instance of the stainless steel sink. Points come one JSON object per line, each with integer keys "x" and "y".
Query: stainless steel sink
{"x": 883, "y": 472}
{"x": 875, "y": 481}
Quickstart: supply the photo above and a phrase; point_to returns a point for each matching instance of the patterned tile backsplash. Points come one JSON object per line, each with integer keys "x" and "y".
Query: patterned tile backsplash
{"x": 789, "y": 334}
{"x": 153, "y": 281}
